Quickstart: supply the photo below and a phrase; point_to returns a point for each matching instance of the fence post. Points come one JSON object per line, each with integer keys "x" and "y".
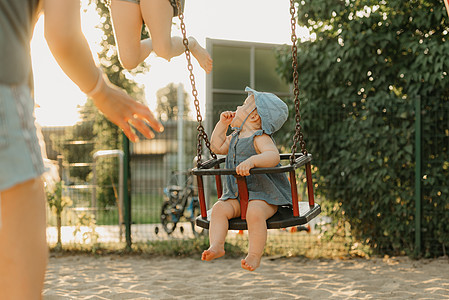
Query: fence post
{"x": 60, "y": 159}
{"x": 418, "y": 176}
{"x": 180, "y": 135}
{"x": 126, "y": 194}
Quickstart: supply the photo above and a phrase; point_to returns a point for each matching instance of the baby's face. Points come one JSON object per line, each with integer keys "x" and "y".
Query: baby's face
{"x": 243, "y": 110}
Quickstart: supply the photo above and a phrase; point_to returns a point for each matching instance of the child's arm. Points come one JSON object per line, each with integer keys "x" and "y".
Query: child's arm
{"x": 268, "y": 156}
{"x": 219, "y": 142}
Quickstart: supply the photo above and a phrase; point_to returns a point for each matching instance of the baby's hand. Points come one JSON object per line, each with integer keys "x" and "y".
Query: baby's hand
{"x": 226, "y": 117}
{"x": 243, "y": 168}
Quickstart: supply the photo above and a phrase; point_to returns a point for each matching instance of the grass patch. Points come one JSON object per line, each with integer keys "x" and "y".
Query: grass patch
{"x": 146, "y": 209}
{"x": 185, "y": 248}
{"x": 301, "y": 245}
{"x": 167, "y": 248}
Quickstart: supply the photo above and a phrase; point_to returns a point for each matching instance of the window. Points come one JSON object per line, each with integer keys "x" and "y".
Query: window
{"x": 237, "y": 65}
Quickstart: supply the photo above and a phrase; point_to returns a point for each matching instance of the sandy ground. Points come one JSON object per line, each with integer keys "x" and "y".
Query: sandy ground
{"x": 134, "y": 277}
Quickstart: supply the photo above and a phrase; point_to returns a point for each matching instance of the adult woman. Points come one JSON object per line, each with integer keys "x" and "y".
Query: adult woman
{"x": 23, "y": 251}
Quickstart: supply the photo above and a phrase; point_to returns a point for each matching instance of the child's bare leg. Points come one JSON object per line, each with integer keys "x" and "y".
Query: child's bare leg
{"x": 218, "y": 227}
{"x": 257, "y": 214}
{"x": 23, "y": 251}
{"x": 127, "y": 23}
{"x": 158, "y": 18}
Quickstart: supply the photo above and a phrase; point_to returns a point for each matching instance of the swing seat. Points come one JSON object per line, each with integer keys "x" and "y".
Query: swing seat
{"x": 299, "y": 213}
{"x": 283, "y": 218}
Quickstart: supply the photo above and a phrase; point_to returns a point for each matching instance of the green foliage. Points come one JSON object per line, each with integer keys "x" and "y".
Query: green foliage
{"x": 360, "y": 75}
{"x": 435, "y": 170}
{"x": 306, "y": 245}
{"x": 176, "y": 247}
{"x": 89, "y": 236}
{"x": 167, "y": 102}
{"x": 55, "y": 200}
{"x": 57, "y": 203}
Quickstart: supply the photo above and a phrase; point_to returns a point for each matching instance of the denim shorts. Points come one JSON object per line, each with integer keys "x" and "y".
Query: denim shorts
{"x": 20, "y": 152}
{"x": 172, "y": 3}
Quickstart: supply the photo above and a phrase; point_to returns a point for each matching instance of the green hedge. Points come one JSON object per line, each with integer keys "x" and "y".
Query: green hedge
{"x": 360, "y": 75}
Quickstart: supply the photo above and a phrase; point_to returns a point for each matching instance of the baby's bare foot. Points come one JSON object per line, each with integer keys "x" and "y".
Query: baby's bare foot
{"x": 201, "y": 55}
{"x": 251, "y": 262}
{"x": 212, "y": 253}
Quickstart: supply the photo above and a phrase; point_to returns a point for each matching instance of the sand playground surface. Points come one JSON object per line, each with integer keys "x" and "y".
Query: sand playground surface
{"x": 134, "y": 277}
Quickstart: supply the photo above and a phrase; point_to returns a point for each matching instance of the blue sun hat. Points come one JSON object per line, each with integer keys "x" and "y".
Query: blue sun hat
{"x": 272, "y": 110}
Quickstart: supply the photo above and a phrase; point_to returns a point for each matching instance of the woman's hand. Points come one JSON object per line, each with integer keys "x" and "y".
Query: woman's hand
{"x": 126, "y": 113}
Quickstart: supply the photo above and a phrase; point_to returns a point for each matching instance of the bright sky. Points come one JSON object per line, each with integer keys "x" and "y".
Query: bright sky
{"x": 264, "y": 21}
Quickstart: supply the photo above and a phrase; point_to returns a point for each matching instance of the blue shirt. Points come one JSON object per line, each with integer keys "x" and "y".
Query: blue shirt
{"x": 273, "y": 188}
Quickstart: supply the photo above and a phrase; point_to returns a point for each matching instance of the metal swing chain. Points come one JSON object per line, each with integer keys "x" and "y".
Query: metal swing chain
{"x": 298, "y": 129}
{"x": 201, "y": 132}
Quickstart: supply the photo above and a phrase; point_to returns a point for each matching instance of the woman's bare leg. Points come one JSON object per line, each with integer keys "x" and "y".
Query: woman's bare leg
{"x": 158, "y": 18}
{"x": 256, "y": 217}
{"x": 23, "y": 250}
{"x": 127, "y": 23}
{"x": 218, "y": 227}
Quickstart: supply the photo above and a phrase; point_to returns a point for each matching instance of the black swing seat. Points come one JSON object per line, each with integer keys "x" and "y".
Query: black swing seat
{"x": 284, "y": 217}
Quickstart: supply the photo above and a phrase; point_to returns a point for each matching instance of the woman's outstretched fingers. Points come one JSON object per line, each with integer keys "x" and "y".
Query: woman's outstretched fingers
{"x": 127, "y": 130}
{"x": 142, "y": 127}
{"x": 147, "y": 115}
{"x": 125, "y": 112}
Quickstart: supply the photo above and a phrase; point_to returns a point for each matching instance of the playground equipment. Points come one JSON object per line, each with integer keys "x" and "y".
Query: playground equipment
{"x": 300, "y": 212}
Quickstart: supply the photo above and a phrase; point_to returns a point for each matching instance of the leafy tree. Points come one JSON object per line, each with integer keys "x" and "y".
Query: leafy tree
{"x": 167, "y": 102}
{"x": 96, "y": 127}
{"x": 360, "y": 74}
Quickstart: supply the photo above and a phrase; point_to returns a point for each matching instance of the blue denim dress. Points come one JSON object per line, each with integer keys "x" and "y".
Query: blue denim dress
{"x": 272, "y": 188}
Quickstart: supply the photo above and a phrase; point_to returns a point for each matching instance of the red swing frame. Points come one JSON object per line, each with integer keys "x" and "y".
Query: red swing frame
{"x": 298, "y": 213}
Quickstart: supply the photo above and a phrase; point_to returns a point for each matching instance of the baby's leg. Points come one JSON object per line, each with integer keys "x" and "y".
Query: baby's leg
{"x": 127, "y": 23}
{"x": 257, "y": 214}
{"x": 218, "y": 227}
{"x": 158, "y": 18}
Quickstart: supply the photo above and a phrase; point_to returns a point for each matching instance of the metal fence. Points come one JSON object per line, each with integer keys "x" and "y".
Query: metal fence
{"x": 94, "y": 192}
{"x": 95, "y": 212}
{"x": 152, "y": 163}
{"x": 432, "y": 177}
{"x": 86, "y": 219}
